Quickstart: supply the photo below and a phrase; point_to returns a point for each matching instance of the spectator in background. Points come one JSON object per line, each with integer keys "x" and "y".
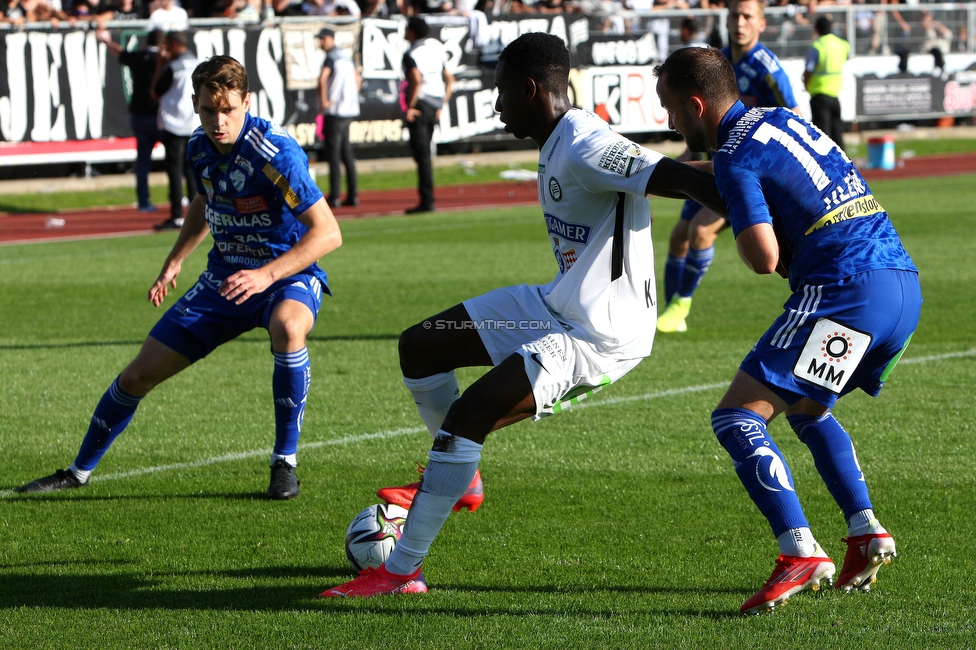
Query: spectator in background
{"x": 177, "y": 119}
{"x": 938, "y": 40}
{"x": 427, "y": 90}
{"x": 330, "y": 8}
{"x": 339, "y": 85}
{"x": 14, "y": 13}
{"x": 143, "y": 108}
{"x": 689, "y": 33}
{"x": 120, "y": 10}
{"x": 168, "y": 16}
{"x": 823, "y": 77}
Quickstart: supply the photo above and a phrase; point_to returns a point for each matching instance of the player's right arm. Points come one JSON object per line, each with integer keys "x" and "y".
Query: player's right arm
{"x": 194, "y": 231}
{"x": 676, "y": 180}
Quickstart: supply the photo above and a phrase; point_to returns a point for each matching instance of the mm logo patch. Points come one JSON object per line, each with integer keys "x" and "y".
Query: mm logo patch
{"x": 251, "y": 204}
{"x": 555, "y": 191}
{"x": 831, "y": 354}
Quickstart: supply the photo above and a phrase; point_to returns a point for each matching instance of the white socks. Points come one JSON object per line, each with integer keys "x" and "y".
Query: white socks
{"x": 433, "y": 396}
{"x": 447, "y": 477}
{"x": 864, "y": 523}
{"x": 80, "y": 474}
{"x": 799, "y": 542}
{"x": 291, "y": 459}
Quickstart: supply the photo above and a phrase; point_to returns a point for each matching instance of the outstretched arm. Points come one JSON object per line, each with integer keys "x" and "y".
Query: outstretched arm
{"x": 676, "y": 180}
{"x": 194, "y": 231}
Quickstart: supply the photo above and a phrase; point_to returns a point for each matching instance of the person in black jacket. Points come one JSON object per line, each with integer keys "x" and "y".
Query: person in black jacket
{"x": 142, "y": 107}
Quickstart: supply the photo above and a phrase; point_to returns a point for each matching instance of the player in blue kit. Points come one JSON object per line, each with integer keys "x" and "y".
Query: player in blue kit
{"x": 799, "y": 207}
{"x": 270, "y": 225}
{"x": 762, "y": 82}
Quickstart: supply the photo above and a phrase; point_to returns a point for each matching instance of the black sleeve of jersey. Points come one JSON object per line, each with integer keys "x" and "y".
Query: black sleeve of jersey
{"x": 164, "y": 82}
{"x": 408, "y": 62}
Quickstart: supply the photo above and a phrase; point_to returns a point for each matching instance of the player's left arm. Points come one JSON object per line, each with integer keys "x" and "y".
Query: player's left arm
{"x": 322, "y": 237}
{"x": 676, "y": 180}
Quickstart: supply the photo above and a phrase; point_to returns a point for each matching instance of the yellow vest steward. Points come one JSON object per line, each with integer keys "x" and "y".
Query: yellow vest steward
{"x": 826, "y": 78}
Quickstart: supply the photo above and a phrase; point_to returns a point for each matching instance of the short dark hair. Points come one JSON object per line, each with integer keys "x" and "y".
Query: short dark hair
{"x": 155, "y": 37}
{"x": 541, "y": 56}
{"x": 690, "y": 24}
{"x": 419, "y": 26}
{"x": 823, "y": 25}
{"x": 178, "y": 37}
{"x": 702, "y": 71}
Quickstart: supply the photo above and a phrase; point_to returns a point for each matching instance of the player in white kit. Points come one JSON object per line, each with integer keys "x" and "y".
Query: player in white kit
{"x": 552, "y": 344}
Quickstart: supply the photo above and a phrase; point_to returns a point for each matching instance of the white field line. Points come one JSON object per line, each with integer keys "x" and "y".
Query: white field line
{"x": 395, "y": 433}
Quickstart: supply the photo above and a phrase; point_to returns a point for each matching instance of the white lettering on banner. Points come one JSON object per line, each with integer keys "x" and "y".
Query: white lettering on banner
{"x": 85, "y": 63}
{"x": 627, "y": 52}
{"x": 13, "y": 108}
{"x": 959, "y": 98}
{"x": 44, "y": 94}
{"x": 452, "y": 37}
{"x": 304, "y": 134}
{"x": 271, "y": 98}
{"x": 376, "y": 131}
{"x": 383, "y": 47}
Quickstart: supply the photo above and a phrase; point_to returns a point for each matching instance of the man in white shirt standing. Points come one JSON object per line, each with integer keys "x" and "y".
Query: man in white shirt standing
{"x": 339, "y": 84}
{"x": 173, "y": 90}
{"x": 428, "y": 90}
{"x": 550, "y": 345}
{"x": 168, "y": 16}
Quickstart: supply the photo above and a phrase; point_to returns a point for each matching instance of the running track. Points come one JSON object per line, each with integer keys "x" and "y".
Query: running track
{"x": 119, "y": 221}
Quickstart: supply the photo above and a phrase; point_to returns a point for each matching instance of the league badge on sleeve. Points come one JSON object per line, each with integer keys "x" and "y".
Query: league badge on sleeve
{"x": 831, "y": 355}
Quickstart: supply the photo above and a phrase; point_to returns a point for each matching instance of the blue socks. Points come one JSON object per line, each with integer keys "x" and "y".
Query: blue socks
{"x": 834, "y": 457}
{"x": 760, "y": 466}
{"x": 111, "y": 417}
{"x": 695, "y": 266}
{"x": 672, "y": 276}
{"x": 289, "y": 385}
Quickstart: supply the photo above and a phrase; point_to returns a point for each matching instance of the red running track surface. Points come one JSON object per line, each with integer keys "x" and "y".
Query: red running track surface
{"x": 116, "y": 221}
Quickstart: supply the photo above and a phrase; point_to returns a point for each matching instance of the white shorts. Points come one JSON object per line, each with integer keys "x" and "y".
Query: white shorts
{"x": 561, "y": 368}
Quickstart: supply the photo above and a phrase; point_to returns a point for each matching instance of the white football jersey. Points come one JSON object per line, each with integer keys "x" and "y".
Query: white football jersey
{"x": 592, "y": 184}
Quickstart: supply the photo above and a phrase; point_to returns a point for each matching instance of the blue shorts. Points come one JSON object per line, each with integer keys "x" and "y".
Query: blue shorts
{"x": 202, "y": 319}
{"x": 837, "y": 337}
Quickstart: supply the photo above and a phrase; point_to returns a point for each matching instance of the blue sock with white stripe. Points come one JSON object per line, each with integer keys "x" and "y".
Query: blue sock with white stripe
{"x": 111, "y": 417}
{"x": 289, "y": 385}
{"x": 672, "y": 276}
{"x": 696, "y": 265}
{"x": 835, "y": 459}
{"x": 760, "y": 466}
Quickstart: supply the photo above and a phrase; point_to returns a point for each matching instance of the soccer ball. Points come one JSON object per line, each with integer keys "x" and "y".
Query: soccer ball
{"x": 372, "y": 535}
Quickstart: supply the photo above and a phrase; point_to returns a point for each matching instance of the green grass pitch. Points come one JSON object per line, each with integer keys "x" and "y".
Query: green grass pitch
{"x": 619, "y": 523}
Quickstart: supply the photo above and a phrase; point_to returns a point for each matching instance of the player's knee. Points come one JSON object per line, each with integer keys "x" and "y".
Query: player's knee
{"x": 287, "y": 334}
{"x": 411, "y": 348}
{"x": 466, "y": 418}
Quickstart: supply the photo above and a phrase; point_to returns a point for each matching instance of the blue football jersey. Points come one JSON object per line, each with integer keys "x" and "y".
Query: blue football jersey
{"x": 761, "y": 79}
{"x": 254, "y": 195}
{"x": 774, "y": 167}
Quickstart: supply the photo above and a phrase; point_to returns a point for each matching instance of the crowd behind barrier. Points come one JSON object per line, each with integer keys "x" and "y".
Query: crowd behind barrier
{"x": 907, "y": 61}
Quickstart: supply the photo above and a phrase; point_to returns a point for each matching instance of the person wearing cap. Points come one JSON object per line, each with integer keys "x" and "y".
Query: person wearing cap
{"x": 177, "y": 119}
{"x": 339, "y": 84}
{"x": 823, "y": 77}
